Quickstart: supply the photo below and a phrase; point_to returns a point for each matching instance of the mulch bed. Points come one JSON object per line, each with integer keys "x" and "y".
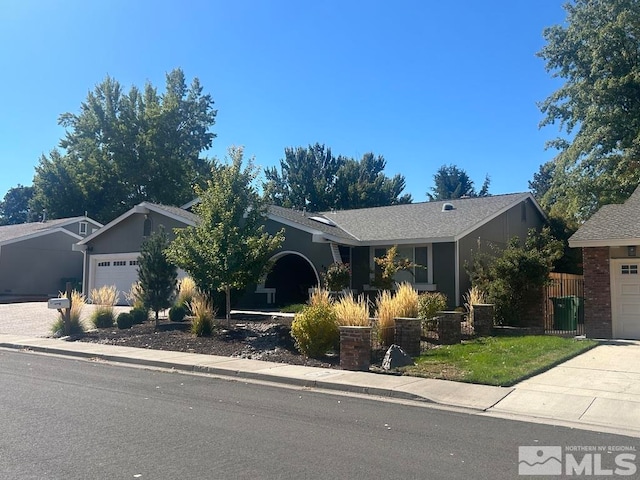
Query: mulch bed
{"x": 246, "y": 338}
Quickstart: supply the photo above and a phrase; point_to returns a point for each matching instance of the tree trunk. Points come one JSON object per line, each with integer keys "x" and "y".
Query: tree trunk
{"x": 227, "y": 291}
{"x": 157, "y": 320}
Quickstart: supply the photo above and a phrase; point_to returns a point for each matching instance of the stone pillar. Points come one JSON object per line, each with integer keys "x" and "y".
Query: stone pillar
{"x": 597, "y": 292}
{"x": 482, "y": 319}
{"x": 355, "y": 347}
{"x": 449, "y": 327}
{"x": 407, "y": 335}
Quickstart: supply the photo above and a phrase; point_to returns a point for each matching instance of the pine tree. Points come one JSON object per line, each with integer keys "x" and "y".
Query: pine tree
{"x": 156, "y": 274}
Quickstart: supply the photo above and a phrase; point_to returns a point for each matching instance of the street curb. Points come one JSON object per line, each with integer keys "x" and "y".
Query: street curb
{"x": 237, "y": 374}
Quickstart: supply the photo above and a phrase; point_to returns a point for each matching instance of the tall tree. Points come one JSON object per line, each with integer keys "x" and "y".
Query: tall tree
{"x": 14, "y": 208}
{"x": 157, "y": 275}
{"x": 452, "y": 182}
{"x": 315, "y": 179}
{"x": 126, "y": 147}
{"x": 229, "y": 249}
{"x": 596, "y": 52}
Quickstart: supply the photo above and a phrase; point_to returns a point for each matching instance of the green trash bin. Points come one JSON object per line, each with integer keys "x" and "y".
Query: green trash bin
{"x": 565, "y": 313}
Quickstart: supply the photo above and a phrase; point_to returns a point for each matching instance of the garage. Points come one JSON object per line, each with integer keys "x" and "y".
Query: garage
{"x": 120, "y": 270}
{"x": 625, "y": 296}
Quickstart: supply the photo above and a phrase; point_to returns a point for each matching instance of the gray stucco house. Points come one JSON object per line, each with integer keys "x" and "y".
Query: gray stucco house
{"x": 36, "y": 259}
{"x": 610, "y": 242}
{"x": 439, "y": 235}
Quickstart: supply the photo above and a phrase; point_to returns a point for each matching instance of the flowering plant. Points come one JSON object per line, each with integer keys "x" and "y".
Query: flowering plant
{"x": 337, "y": 276}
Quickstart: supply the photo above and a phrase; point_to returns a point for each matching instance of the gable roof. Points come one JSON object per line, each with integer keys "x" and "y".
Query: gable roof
{"x": 23, "y": 231}
{"x": 612, "y": 225}
{"x": 177, "y": 213}
{"x": 410, "y": 223}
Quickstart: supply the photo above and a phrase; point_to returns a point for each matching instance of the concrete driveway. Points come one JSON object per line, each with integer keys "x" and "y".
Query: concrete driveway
{"x": 601, "y": 387}
{"x": 35, "y": 319}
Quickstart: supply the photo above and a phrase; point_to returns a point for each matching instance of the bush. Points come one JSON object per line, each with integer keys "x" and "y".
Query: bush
{"x": 315, "y": 330}
{"x": 337, "y": 277}
{"x": 124, "y": 321}
{"x": 139, "y": 315}
{"x": 430, "y": 303}
{"x": 177, "y": 313}
{"x": 102, "y": 318}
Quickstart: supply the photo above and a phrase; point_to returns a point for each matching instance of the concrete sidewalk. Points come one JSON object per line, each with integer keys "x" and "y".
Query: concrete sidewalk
{"x": 599, "y": 390}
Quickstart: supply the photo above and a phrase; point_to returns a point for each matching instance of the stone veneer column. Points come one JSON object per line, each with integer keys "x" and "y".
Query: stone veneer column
{"x": 483, "y": 315}
{"x": 449, "y": 327}
{"x": 597, "y": 292}
{"x": 355, "y": 347}
{"x": 407, "y": 335}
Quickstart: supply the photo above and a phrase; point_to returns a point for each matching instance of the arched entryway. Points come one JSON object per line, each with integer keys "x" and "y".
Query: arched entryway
{"x": 292, "y": 276}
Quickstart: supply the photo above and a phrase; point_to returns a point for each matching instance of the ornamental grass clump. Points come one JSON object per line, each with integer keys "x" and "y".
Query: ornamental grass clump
{"x": 203, "y": 314}
{"x": 406, "y": 300}
{"x": 386, "y": 312}
{"x": 78, "y": 302}
{"x": 187, "y": 291}
{"x": 135, "y": 296}
{"x": 320, "y": 297}
{"x": 474, "y": 296}
{"x": 315, "y": 330}
{"x": 104, "y": 299}
{"x": 353, "y": 312}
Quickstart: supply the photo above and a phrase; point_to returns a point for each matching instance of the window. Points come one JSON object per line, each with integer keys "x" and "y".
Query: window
{"x": 629, "y": 269}
{"x": 417, "y": 254}
{"x": 120, "y": 263}
{"x": 134, "y": 262}
{"x": 104, "y": 264}
{"x": 147, "y": 227}
{"x": 84, "y": 226}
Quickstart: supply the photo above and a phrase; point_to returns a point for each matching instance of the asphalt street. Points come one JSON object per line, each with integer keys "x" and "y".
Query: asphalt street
{"x": 66, "y": 419}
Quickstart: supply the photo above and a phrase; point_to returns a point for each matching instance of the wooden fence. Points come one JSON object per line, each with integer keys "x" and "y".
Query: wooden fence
{"x": 564, "y": 304}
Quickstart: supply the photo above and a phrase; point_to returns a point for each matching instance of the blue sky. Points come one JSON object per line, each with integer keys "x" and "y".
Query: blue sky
{"x": 422, "y": 82}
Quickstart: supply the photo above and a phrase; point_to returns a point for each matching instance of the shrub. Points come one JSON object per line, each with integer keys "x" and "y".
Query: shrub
{"x": 124, "y": 321}
{"x": 102, "y": 318}
{"x": 386, "y": 311}
{"x": 430, "y": 303}
{"x": 352, "y": 312}
{"x": 337, "y": 277}
{"x": 203, "y": 316}
{"x": 315, "y": 330}
{"x": 406, "y": 300}
{"x": 139, "y": 315}
{"x": 177, "y": 313}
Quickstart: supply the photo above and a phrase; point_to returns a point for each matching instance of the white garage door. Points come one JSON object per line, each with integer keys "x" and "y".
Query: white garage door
{"x": 625, "y": 276}
{"x": 121, "y": 271}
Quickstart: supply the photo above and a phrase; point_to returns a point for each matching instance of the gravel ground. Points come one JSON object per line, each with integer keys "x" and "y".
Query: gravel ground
{"x": 255, "y": 339}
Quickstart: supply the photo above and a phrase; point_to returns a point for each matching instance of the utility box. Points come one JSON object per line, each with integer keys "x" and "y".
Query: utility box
{"x": 59, "y": 303}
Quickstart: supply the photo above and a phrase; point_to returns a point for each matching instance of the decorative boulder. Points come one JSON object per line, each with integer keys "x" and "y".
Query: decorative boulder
{"x": 395, "y": 357}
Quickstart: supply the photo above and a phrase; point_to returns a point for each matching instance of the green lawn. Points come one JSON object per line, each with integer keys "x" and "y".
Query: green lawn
{"x": 497, "y": 360}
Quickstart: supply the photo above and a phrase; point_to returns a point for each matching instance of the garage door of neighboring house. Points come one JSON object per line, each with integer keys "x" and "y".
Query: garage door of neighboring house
{"x": 625, "y": 301}
{"x": 120, "y": 270}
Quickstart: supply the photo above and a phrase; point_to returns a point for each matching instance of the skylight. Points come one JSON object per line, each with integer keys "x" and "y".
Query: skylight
{"x": 324, "y": 220}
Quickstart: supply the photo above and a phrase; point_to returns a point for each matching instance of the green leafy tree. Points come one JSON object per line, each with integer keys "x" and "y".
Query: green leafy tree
{"x": 596, "y": 53}
{"x": 122, "y": 148}
{"x": 514, "y": 276}
{"x": 313, "y": 178}
{"x": 451, "y": 182}
{"x": 229, "y": 249}
{"x": 14, "y": 208}
{"x": 157, "y": 275}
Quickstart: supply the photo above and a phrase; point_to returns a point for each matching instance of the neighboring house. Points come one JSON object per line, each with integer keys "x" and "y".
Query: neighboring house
{"x": 610, "y": 240}
{"x": 441, "y": 236}
{"x": 36, "y": 259}
{"x": 111, "y": 254}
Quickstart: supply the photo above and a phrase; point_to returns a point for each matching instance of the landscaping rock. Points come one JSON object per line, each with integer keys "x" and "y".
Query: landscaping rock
{"x": 396, "y": 357}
